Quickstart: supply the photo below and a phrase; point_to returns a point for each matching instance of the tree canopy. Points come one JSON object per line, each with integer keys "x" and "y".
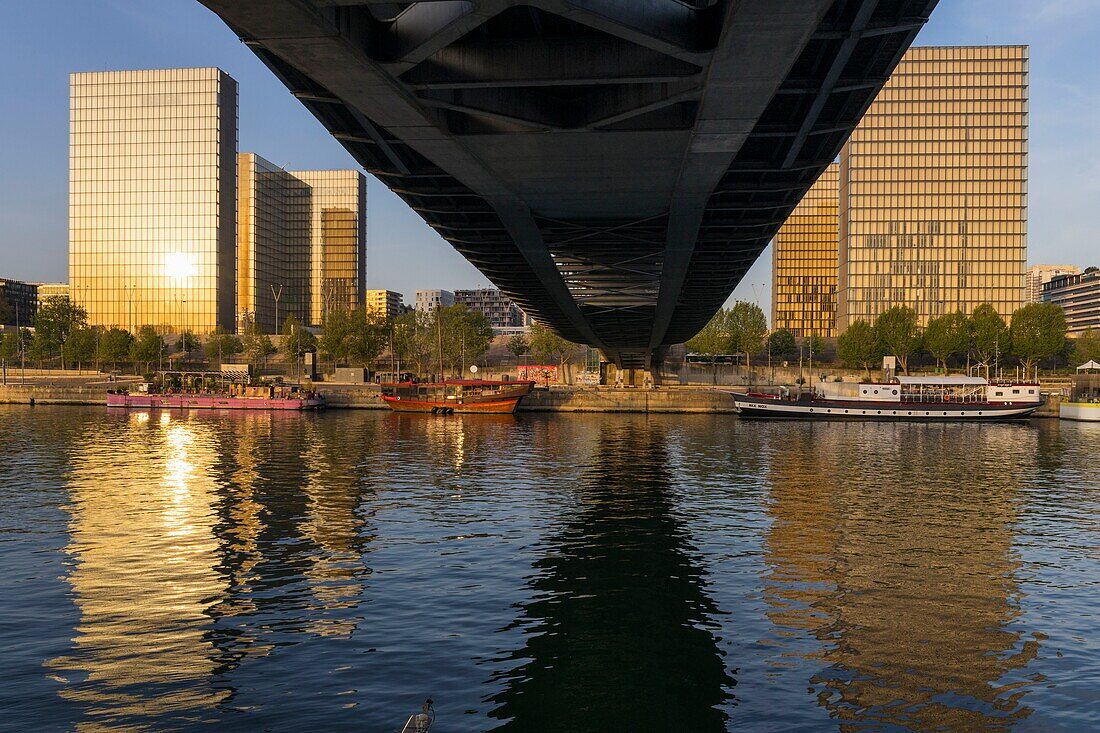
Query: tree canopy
{"x": 988, "y": 334}
{"x": 546, "y": 343}
{"x": 781, "y": 344}
{"x": 1086, "y": 347}
{"x": 114, "y": 346}
{"x": 746, "y": 327}
{"x": 947, "y": 336}
{"x": 56, "y": 320}
{"x": 518, "y": 345}
{"x": 1038, "y": 330}
{"x": 897, "y": 331}
{"x": 859, "y": 346}
{"x": 147, "y": 347}
{"x": 221, "y": 346}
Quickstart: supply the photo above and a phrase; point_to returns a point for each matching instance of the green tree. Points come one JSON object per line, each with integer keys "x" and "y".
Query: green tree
{"x": 297, "y": 340}
{"x": 467, "y": 335}
{"x": 147, "y": 347}
{"x": 367, "y": 336}
{"x": 747, "y": 327}
{"x": 781, "y": 344}
{"x": 711, "y": 341}
{"x": 335, "y": 340}
{"x": 9, "y": 347}
{"x": 1038, "y": 330}
{"x": 114, "y": 346}
{"x": 221, "y": 346}
{"x": 545, "y": 344}
{"x": 82, "y": 346}
{"x": 413, "y": 339}
{"x": 813, "y": 347}
{"x": 859, "y": 346}
{"x": 518, "y": 345}
{"x": 1086, "y": 347}
{"x": 56, "y": 321}
{"x": 187, "y": 342}
{"x": 257, "y": 345}
{"x": 897, "y": 331}
{"x": 988, "y": 335}
{"x": 947, "y": 336}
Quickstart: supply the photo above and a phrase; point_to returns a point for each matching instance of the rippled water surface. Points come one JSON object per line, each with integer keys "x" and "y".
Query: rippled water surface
{"x": 174, "y": 571}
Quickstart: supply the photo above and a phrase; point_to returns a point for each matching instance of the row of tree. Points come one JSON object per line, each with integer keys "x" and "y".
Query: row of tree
{"x": 1037, "y": 331}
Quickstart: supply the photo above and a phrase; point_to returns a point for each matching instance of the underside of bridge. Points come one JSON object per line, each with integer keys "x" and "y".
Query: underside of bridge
{"x": 614, "y": 166}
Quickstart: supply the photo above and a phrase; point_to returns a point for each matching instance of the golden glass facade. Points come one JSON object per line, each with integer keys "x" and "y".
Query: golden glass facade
{"x": 272, "y": 245}
{"x": 152, "y": 198}
{"x": 336, "y": 205}
{"x": 933, "y": 187}
{"x": 804, "y": 262}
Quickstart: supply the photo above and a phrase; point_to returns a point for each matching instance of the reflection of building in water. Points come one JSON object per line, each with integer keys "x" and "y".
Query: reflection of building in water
{"x": 903, "y": 574}
{"x": 617, "y": 629}
{"x": 143, "y": 572}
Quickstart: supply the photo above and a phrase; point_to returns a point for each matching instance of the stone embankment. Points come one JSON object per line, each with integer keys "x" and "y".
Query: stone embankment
{"x": 683, "y": 400}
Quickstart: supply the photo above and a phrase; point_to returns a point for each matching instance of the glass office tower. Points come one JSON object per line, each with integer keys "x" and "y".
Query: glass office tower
{"x": 804, "y": 262}
{"x": 152, "y": 198}
{"x": 933, "y": 187}
{"x": 273, "y": 245}
{"x": 336, "y": 207}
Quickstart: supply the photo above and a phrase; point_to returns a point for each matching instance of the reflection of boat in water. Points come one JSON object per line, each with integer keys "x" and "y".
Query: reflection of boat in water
{"x": 214, "y": 390}
{"x": 455, "y": 395}
{"x": 904, "y": 398}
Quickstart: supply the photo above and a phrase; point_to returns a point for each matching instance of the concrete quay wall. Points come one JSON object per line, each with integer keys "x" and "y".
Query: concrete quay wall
{"x": 604, "y": 399}
{"x": 54, "y": 394}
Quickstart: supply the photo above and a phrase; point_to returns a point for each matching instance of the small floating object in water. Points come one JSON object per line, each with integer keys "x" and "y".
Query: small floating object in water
{"x": 422, "y": 721}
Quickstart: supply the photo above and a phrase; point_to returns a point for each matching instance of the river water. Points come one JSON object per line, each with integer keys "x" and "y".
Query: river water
{"x": 173, "y": 571}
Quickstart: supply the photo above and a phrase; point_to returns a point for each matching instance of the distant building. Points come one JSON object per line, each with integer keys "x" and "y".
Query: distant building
{"x": 804, "y": 262}
{"x": 385, "y": 303}
{"x": 273, "y": 245}
{"x": 336, "y": 207}
{"x": 152, "y": 198}
{"x": 933, "y": 188}
{"x": 1079, "y": 296}
{"x": 18, "y": 303}
{"x": 51, "y": 290}
{"x": 497, "y": 307}
{"x": 428, "y": 300}
{"x": 1039, "y": 275}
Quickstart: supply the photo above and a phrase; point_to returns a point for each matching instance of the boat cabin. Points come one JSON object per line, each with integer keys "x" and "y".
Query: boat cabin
{"x": 957, "y": 390}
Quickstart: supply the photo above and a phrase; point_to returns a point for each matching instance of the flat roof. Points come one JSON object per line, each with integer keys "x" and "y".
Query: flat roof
{"x": 943, "y": 380}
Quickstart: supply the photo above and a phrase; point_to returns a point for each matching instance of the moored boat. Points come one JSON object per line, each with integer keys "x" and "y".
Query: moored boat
{"x": 923, "y": 399}
{"x": 213, "y": 391}
{"x": 1083, "y": 404}
{"x": 455, "y": 396}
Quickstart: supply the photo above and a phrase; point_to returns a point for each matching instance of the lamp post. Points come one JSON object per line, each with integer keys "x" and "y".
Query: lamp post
{"x": 276, "y": 295}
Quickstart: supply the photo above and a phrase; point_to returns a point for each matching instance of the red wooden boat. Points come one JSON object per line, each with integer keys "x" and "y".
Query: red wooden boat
{"x": 455, "y": 395}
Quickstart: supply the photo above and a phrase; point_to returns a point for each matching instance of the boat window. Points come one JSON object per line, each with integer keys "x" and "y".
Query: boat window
{"x": 895, "y": 391}
{"x": 1015, "y": 391}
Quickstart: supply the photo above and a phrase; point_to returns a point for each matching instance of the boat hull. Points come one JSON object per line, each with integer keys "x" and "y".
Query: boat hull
{"x": 502, "y": 406}
{"x": 893, "y": 412}
{"x": 1080, "y": 411}
{"x": 209, "y": 402}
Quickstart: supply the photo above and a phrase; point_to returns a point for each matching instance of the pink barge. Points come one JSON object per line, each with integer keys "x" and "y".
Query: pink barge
{"x": 213, "y": 391}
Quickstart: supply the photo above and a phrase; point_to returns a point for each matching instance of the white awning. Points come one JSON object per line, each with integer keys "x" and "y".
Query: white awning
{"x": 945, "y": 381}
{"x": 1091, "y": 364}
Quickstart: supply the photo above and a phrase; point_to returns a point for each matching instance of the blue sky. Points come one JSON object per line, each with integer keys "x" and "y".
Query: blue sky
{"x": 41, "y": 42}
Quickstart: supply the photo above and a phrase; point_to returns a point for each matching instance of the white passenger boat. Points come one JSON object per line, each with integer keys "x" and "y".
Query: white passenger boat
{"x": 1084, "y": 402}
{"x": 903, "y": 398}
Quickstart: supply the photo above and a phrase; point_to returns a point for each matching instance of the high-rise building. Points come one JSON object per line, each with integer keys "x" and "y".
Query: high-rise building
{"x": 336, "y": 203}
{"x": 428, "y": 300}
{"x": 933, "y": 187}
{"x": 51, "y": 290}
{"x": 497, "y": 307}
{"x": 152, "y": 198}
{"x": 1079, "y": 296}
{"x": 18, "y": 303}
{"x": 385, "y": 303}
{"x": 273, "y": 245}
{"x": 804, "y": 262}
{"x": 1039, "y": 275}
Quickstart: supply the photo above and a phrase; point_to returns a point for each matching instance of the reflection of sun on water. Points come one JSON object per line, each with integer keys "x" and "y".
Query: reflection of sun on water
{"x": 144, "y": 570}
